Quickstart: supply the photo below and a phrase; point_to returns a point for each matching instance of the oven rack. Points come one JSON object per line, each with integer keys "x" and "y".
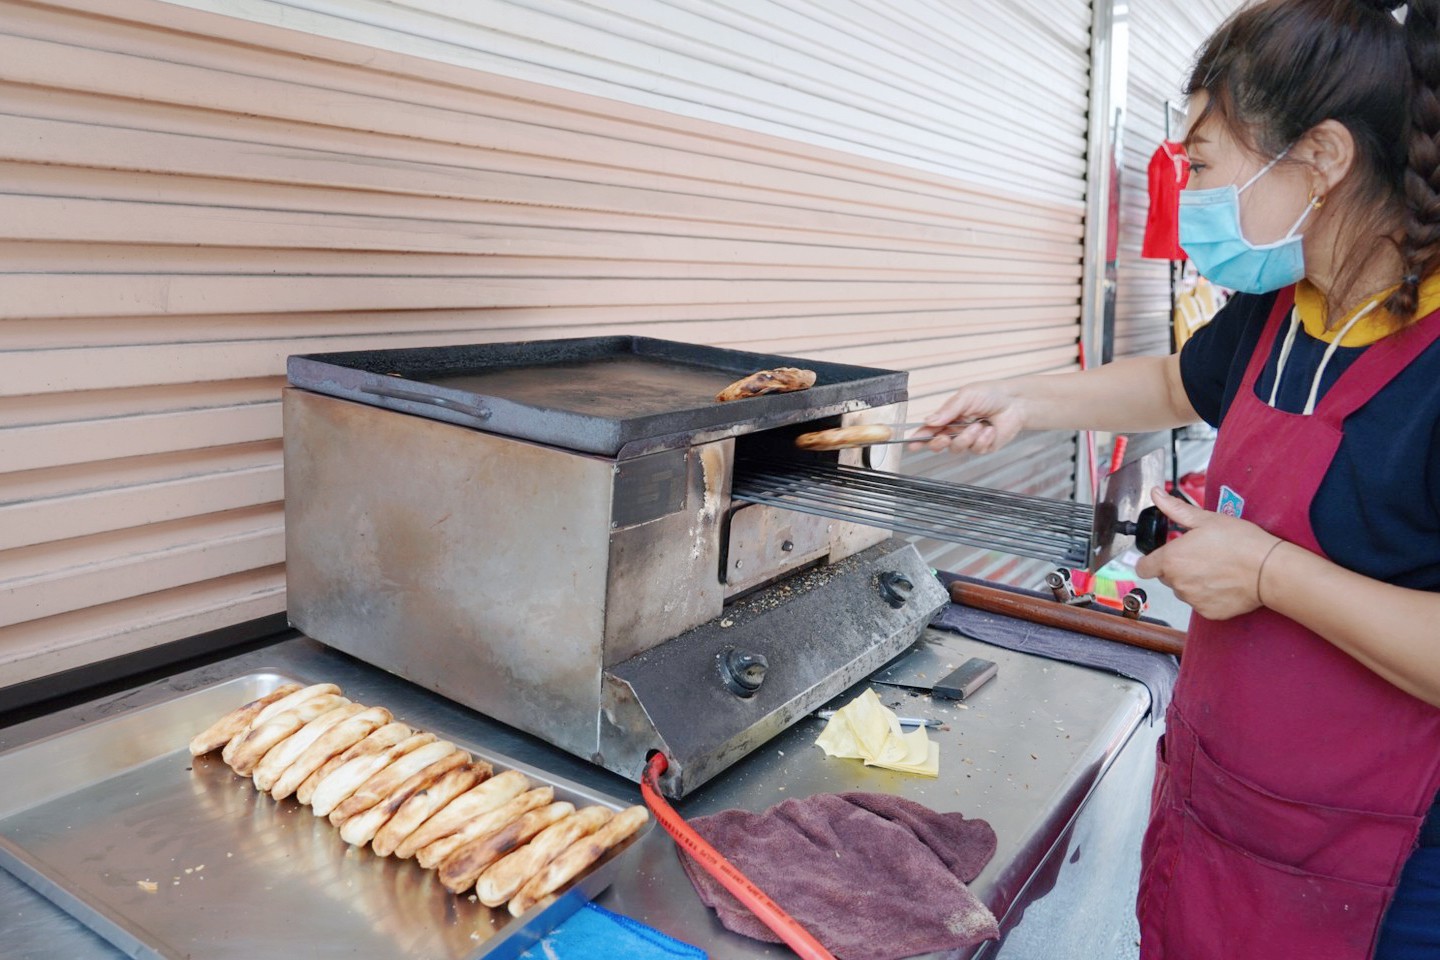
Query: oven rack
{"x": 1053, "y": 530}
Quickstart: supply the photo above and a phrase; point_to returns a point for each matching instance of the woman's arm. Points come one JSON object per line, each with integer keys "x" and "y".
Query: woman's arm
{"x": 1133, "y": 395}
{"x": 1224, "y": 567}
{"x": 1393, "y": 631}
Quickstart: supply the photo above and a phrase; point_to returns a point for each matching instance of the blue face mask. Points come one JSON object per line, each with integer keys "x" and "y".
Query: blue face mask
{"x": 1210, "y": 235}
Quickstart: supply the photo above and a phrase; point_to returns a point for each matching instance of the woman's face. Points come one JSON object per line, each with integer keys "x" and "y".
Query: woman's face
{"x": 1272, "y": 204}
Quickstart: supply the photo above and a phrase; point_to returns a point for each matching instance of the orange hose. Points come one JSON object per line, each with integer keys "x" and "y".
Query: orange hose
{"x": 799, "y": 939}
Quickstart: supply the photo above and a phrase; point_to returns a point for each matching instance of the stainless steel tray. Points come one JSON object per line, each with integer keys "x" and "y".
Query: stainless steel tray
{"x": 92, "y": 817}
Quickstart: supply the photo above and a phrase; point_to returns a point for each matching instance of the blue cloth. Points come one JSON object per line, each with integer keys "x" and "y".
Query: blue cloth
{"x": 1411, "y": 930}
{"x": 594, "y": 933}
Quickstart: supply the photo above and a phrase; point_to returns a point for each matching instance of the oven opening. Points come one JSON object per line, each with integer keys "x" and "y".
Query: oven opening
{"x": 762, "y": 544}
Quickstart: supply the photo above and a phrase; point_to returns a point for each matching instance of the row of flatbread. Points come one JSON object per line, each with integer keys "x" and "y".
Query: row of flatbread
{"x": 408, "y": 793}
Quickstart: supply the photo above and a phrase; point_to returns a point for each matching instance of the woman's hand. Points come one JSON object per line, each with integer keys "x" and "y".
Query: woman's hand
{"x": 1214, "y": 566}
{"x": 981, "y": 418}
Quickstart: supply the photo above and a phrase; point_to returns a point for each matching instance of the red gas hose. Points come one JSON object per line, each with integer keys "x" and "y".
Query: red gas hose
{"x": 723, "y": 870}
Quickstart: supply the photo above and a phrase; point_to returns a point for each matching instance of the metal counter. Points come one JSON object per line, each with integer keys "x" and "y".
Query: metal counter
{"x": 1026, "y": 754}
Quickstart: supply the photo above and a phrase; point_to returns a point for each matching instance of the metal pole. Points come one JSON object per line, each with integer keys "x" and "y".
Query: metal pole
{"x": 1109, "y": 74}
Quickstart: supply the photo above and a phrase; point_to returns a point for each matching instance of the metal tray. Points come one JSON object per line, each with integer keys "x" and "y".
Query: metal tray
{"x": 91, "y": 817}
{"x": 613, "y": 396}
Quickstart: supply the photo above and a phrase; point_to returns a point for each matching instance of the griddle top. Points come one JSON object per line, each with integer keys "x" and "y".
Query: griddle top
{"x": 612, "y": 396}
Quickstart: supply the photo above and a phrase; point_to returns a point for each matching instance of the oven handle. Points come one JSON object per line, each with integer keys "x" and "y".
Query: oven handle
{"x": 479, "y": 413}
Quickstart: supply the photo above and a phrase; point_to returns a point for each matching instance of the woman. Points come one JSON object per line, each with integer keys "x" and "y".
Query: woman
{"x": 1294, "y": 807}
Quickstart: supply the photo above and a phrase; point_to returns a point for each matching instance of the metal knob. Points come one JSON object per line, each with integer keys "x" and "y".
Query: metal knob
{"x": 742, "y": 670}
{"x": 895, "y": 588}
{"x": 1058, "y": 580}
{"x": 1150, "y": 529}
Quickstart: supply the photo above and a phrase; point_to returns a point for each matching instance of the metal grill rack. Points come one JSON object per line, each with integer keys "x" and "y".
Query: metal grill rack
{"x": 1052, "y": 530}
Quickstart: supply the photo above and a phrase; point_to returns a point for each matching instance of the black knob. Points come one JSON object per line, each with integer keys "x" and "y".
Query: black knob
{"x": 742, "y": 670}
{"x": 1150, "y": 530}
{"x": 895, "y": 588}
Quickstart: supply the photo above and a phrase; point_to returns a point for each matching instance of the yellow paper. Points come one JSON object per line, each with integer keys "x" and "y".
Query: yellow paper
{"x": 865, "y": 729}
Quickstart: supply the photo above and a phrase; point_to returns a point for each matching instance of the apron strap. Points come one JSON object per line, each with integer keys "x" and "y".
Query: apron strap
{"x": 1377, "y": 366}
{"x": 1284, "y": 300}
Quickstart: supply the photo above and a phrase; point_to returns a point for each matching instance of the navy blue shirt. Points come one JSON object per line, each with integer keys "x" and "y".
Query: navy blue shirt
{"x": 1377, "y": 511}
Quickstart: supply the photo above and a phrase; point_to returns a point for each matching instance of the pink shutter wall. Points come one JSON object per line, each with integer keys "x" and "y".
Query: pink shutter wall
{"x": 186, "y": 199}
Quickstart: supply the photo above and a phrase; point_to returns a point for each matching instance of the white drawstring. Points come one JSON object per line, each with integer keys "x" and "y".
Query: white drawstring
{"x": 1285, "y": 352}
{"x": 1330, "y": 352}
{"x": 1324, "y": 360}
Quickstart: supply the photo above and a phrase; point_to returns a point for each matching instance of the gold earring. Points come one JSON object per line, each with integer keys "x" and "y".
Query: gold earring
{"x": 1316, "y": 200}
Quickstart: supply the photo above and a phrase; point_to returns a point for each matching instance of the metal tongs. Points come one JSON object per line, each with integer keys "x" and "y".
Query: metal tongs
{"x": 817, "y": 440}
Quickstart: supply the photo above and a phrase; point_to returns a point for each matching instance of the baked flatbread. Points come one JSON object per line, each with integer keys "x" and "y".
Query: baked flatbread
{"x": 295, "y": 699}
{"x": 577, "y": 858}
{"x": 288, "y": 702}
{"x": 425, "y": 803}
{"x": 779, "y": 380}
{"x": 387, "y": 780}
{"x": 237, "y": 721}
{"x": 332, "y": 742}
{"x": 258, "y": 741}
{"x": 439, "y": 851}
{"x": 842, "y": 438}
{"x": 362, "y": 827}
{"x": 503, "y": 879}
{"x": 349, "y": 777}
{"x": 459, "y": 870}
{"x": 384, "y": 737}
{"x": 489, "y": 795}
{"x": 284, "y": 753}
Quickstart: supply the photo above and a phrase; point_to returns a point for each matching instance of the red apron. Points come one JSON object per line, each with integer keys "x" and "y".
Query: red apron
{"x": 1292, "y": 781}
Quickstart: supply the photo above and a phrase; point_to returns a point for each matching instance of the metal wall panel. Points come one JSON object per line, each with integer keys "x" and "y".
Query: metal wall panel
{"x": 186, "y": 199}
{"x": 1164, "y": 38}
{"x": 992, "y": 91}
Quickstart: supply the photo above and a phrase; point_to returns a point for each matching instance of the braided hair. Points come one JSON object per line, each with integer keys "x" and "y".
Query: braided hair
{"x": 1278, "y": 68}
{"x": 1420, "y": 246}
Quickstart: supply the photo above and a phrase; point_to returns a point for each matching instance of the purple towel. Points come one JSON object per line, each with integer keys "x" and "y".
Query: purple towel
{"x": 871, "y": 876}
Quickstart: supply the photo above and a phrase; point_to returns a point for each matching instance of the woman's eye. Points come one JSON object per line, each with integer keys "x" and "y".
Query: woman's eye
{"x": 1196, "y": 166}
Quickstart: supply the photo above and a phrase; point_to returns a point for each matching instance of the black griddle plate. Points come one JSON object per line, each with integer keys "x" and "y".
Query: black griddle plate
{"x": 613, "y": 396}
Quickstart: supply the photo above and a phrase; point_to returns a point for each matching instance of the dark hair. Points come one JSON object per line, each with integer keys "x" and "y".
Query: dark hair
{"x": 1276, "y": 69}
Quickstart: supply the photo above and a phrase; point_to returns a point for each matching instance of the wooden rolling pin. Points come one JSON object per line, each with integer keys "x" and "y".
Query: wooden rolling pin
{"x": 1053, "y": 613}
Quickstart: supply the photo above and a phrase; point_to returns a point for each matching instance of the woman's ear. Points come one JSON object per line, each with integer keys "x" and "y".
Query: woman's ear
{"x": 1329, "y": 150}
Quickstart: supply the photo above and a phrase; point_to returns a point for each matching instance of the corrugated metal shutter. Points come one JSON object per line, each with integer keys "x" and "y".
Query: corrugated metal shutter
{"x": 1164, "y": 37}
{"x": 189, "y": 198}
